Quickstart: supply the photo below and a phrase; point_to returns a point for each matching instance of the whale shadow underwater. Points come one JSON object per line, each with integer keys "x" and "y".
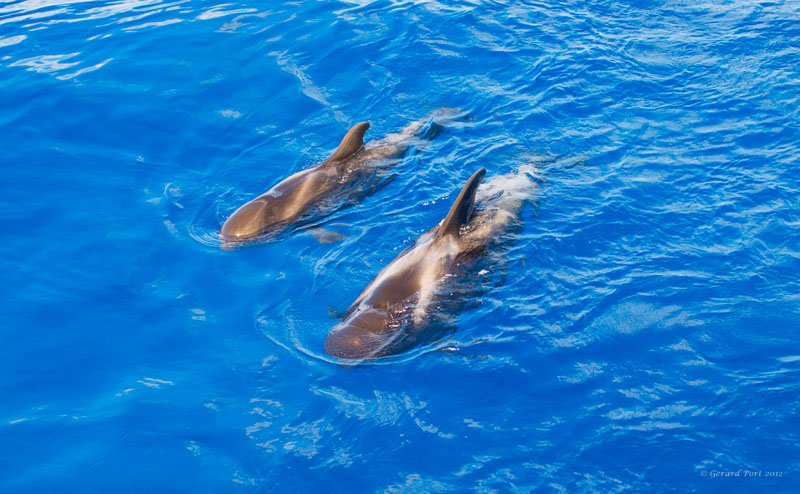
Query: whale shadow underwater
{"x": 353, "y": 172}
{"x": 411, "y": 301}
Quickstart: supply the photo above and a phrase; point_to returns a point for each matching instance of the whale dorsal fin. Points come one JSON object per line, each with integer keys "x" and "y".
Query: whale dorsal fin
{"x": 461, "y": 210}
{"x": 352, "y": 142}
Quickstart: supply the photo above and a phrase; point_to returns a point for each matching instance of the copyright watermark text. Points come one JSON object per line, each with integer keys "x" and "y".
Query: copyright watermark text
{"x": 740, "y": 473}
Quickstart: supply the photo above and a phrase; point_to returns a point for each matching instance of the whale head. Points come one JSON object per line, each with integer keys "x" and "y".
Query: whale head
{"x": 363, "y": 335}
{"x": 252, "y": 219}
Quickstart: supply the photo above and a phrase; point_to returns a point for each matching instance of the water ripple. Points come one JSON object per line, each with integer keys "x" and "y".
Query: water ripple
{"x": 638, "y": 330}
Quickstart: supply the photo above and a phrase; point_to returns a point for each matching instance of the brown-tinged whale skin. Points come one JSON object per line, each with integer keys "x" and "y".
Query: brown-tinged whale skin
{"x": 288, "y": 200}
{"x": 396, "y": 310}
{"x": 352, "y": 171}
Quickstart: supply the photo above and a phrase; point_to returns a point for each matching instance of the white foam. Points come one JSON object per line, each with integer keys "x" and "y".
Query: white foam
{"x": 502, "y": 190}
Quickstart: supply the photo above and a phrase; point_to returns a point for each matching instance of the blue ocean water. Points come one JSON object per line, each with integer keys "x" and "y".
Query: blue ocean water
{"x": 641, "y": 334}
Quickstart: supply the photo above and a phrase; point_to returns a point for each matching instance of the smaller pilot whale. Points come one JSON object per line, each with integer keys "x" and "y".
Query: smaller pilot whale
{"x": 395, "y": 307}
{"x": 352, "y": 171}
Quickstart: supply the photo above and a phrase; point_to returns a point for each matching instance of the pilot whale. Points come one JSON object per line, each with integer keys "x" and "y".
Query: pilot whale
{"x": 352, "y": 171}
{"x": 395, "y": 308}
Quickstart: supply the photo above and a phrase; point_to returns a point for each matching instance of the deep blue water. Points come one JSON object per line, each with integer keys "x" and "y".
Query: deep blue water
{"x": 641, "y": 334}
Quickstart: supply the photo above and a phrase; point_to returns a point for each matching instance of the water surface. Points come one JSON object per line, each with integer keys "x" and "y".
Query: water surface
{"x": 640, "y": 334}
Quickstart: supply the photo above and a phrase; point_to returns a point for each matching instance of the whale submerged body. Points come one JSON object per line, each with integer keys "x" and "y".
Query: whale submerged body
{"x": 351, "y": 172}
{"x": 395, "y": 308}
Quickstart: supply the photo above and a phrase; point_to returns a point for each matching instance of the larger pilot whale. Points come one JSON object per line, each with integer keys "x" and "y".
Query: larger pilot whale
{"x": 395, "y": 308}
{"x": 352, "y": 171}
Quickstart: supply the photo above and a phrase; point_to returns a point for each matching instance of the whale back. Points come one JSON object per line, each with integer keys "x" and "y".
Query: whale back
{"x": 461, "y": 211}
{"x": 352, "y": 142}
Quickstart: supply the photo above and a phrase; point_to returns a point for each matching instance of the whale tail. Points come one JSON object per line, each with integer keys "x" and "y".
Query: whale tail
{"x": 353, "y": 141}
{"x": 461, "y": 210}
